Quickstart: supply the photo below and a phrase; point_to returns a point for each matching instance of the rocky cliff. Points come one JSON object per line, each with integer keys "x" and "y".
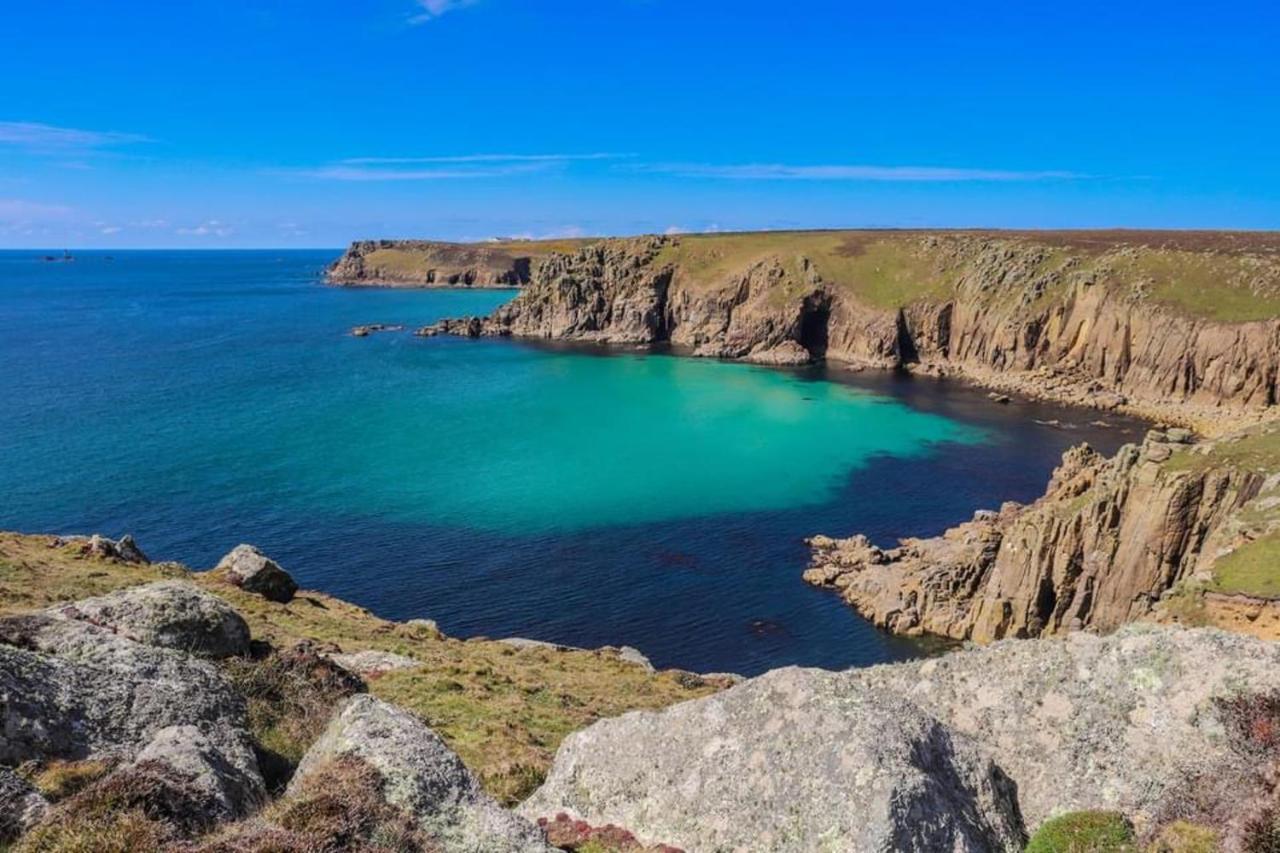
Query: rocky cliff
{"x": 1111, "y": 541}
{"x": 1180, "y": 324}
{"x": 424, "y": 263}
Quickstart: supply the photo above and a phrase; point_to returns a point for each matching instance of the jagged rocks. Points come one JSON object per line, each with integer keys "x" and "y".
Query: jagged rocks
{"x": 421, "y": 776}
{"x": 167, "y": 614}
{"x": 427, "y": 263}
{"x": 1099, "y": 549}
{"x": 21, "y": 805}
{"x": 792, "y": 760}
{"x": 251, "y": 570}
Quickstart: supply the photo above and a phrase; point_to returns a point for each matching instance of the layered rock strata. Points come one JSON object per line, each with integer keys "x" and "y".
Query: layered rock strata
{"x": 1106, "y": 542}
{"x": 1010, "y": 311}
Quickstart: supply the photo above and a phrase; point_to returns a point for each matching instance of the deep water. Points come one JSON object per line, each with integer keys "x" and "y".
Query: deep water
{"x": 591, "y": 497}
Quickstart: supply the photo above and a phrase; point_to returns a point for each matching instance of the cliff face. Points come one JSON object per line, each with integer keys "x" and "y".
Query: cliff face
{"x": 423, "y": 263}
{"x": 1186, "y": 331}
{"x": 1106, "y": 543}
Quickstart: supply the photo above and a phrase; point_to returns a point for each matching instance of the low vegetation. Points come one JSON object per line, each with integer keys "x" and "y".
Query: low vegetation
{"x": 1084, "y": 832}
{"x": 503, "y": 710}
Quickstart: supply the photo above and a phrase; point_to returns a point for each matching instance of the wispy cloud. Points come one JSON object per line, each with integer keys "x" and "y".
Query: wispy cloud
{"x": 432, "y": 9}
{"x": 208, "y": 228}
{"x": 22, "y": 217}
{"x": 46, "y": 137}
{"x": 854, "y": 172}
{"x": 445, "y": 168}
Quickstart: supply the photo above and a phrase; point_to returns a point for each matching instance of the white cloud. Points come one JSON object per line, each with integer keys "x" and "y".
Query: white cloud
{"x": 208, "y": 228}
{"x": 46, "y": 137}
{"x": 432, "y": 9}
{"x": 672, "y": 230}
{"x": 855, "y": 172}
{"x": 110, "y": 229}
{"x": 444, "y": 168}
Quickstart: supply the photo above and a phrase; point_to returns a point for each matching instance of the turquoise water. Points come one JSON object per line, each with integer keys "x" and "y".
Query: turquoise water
{"x": 203, "y": 399}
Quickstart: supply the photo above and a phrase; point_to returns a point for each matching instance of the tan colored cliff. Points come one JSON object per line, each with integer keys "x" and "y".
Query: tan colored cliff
{"x": 429, "y": 263}
{"x": 1184, "y": 326}
{"x": 1111, "y": 541}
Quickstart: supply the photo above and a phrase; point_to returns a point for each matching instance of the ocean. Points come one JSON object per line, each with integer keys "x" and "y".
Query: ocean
{"x": 580, "y": 495}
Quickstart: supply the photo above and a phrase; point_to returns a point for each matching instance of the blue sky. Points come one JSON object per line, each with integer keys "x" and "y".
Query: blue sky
{"x": 295, "y": 123}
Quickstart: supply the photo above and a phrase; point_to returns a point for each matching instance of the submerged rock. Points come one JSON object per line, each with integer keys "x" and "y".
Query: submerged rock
{"x": 253, "y": 571}
{"x": 421, "y": 776}
{"x": 793, "y": 760}
{"x": 168, "y": 614}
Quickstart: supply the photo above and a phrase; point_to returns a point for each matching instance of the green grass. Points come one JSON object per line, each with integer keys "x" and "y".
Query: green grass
{"x": 1252, "y": 569}
{"x": 1084, "y": 832}
{"x": 1227, "y": 288}
{"x": 504, "y": 711}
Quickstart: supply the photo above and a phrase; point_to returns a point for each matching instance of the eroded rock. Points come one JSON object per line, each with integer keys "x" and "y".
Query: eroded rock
{"x": 21, "y": 805}
{"x": 222, "y": 780}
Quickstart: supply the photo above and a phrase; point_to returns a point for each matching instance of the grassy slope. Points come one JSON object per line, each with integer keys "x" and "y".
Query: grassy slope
{"x": 1225, "y": 276}
{"x": 504, "y": 711}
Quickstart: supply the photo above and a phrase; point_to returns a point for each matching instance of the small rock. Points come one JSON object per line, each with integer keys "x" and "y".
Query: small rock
{"x": 635, "y": 656}
{"x": 21, "y": 806}
{"x": 167, "y": 614}
{"x": 523, "y": 643}
{"x": 422, "y": 777}
{"x": 1180, "y": 435}
{"x": 374, "y": 662}
{"x": 125, "y": 549}
{"x": 999, "y": 398}
{"x": 253, "y": 571}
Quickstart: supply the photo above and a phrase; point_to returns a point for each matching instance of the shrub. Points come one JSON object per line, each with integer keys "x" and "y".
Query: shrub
{"x": 291, "y": 696}
{"x": 1084, "y": 832}
{"x": 1184, "y": 837}
{"x": 57, "y": 780}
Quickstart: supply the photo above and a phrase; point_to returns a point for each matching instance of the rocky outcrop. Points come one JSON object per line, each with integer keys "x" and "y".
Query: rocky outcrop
{"x": 915, "y": 755}
{"x": 426, "y": 263}
{"x": 72, "y": 690}
{"x": 422, "y": 777}
{"x": 21, "y": 806}
{"x": 124, "y": 549}
{"x": 792, "y": 760}
{"x": 1109, "y": 538}
{"x": 167, "y": 614}
{"x": 253, "y": 571}
{"x": 1041, "y": 317}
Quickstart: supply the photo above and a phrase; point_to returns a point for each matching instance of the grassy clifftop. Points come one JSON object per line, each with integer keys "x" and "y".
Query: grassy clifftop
{"x": 1219, "y": 275}
{"x": 503, "y": 710}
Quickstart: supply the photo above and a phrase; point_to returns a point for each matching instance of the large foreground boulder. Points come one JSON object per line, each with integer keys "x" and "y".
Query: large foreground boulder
{"x": 222, "y": 780}
{"x": 168, "y": 614}
{"x": 1120, "y": 723}
{"x": 72, "y": 690}
{"x": 793, "y": 760}
{"x": 421, "y": 776}
{"x": 253, "y": 571}
{"x": 1089, "y": 722}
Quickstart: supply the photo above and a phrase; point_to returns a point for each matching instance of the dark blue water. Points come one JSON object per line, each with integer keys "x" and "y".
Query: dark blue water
{"x": 590, "y": 497}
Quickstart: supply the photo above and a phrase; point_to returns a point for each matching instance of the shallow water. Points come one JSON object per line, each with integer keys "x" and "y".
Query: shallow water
{"x": 201, "y": 399}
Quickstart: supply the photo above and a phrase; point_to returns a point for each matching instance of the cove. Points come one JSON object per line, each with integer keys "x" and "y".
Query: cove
{"x": 590, "y": 497}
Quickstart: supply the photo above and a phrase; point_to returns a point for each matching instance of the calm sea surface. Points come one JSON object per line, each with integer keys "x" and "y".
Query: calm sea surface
{"x": 203, "y": 399}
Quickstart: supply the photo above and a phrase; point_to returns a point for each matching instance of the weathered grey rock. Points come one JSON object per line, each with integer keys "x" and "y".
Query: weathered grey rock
{"x": 523, "y": 643}
{"x": 374, "y": 662}
{"x": 1083, "y": 722}
{"x": 793, "y": 760}
{"x": 223, "y": 781}
{"x": 423, "y": 777}
{"x": 124, "y": 549}
{"x": 253, "y": 571}
{"x": 73, "y": 690}
{"x": 635, "y": 656}
{"x": 169, "y": 614}
{"x": 21, "y": 805}
{"x": 1090, "y": 722}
